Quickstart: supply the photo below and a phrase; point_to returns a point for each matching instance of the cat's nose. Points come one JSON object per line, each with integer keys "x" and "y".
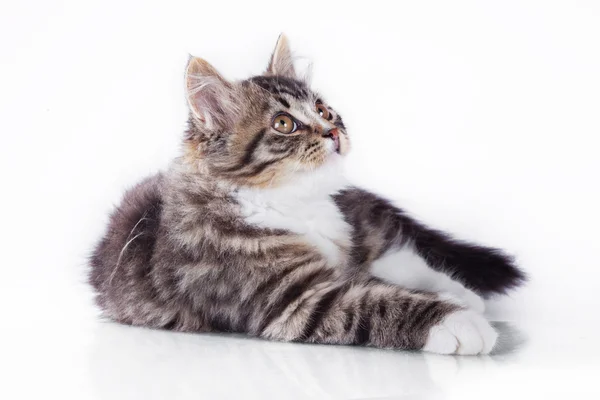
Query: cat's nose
{"x": 332, "y": 133}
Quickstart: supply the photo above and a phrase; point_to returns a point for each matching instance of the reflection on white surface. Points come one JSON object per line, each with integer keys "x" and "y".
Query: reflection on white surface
{"x": 71, "y": 354}
{"x": 126, "y": 362}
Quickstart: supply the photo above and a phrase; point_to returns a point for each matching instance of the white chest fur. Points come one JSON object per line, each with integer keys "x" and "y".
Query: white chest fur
{"x": 305, "y": 207}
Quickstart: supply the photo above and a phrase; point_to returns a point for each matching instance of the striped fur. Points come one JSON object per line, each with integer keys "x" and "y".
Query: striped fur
{"x": 182, "y": 253}
{"x": 196, "y": 267}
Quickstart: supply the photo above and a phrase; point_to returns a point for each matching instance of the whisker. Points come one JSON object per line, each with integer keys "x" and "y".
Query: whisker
{"x": 129, "y": 241}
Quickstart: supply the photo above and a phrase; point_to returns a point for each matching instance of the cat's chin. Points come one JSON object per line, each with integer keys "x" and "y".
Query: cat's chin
{"x": 327, "y": 176}
{"x": 335, "y": 147}
{"x": 333, "y": 163}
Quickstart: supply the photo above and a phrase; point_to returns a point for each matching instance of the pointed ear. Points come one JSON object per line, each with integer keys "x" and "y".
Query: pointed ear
{"x": 281, "y": 60}
{"x": 210, "y": 96}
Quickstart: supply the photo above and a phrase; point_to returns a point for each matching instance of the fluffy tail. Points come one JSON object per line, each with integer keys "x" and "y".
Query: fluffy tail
{"x": 485, "y": 270}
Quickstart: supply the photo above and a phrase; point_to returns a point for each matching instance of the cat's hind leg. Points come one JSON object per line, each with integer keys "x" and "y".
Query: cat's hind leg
{"x": 371, "y": 313}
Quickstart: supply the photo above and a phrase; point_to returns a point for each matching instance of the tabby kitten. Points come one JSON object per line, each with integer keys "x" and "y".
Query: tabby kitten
{"x": 253, "y": 229}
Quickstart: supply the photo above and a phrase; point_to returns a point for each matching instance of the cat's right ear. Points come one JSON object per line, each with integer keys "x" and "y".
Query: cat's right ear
{"x": 210, "y": 96}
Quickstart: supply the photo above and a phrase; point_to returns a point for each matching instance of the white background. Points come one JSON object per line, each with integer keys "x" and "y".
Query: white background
{"x": 480, "y": 118}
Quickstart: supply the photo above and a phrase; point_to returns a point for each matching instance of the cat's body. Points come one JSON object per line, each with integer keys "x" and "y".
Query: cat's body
{"x": 260, "y": 233}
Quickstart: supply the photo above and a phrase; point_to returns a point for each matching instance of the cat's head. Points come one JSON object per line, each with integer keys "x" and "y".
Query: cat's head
{"x": 262, "y": 130}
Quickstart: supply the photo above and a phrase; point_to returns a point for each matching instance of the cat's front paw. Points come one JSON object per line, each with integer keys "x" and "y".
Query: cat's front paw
{"x": 462, "y": 332}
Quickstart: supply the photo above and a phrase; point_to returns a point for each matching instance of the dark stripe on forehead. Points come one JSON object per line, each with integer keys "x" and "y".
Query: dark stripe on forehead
{"x": 280, "y": 84}
{"x": 283, "y": 102}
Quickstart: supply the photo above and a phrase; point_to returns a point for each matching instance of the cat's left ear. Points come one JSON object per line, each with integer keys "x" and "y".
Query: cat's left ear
{"x": 281, "y": 63}
{"x": 211, "y": 97}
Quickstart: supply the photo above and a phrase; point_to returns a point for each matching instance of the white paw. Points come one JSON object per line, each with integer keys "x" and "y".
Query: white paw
{"x": 462, "y": 332}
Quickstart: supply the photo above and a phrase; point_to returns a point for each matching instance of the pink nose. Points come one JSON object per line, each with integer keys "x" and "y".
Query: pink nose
{"x": 333, "y": 133}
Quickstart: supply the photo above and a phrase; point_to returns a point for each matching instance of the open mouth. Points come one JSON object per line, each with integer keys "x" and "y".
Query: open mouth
{"x": 334, "y": 135}
{"x": 336, "y": 142}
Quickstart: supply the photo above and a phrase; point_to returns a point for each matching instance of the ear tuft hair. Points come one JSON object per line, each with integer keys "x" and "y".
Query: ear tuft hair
{"x": 210, "y": 96}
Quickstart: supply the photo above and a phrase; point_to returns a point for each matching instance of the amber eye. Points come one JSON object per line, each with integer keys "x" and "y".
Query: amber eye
{"x": 283, "y": 123}
{"x": 322, "y": 110}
